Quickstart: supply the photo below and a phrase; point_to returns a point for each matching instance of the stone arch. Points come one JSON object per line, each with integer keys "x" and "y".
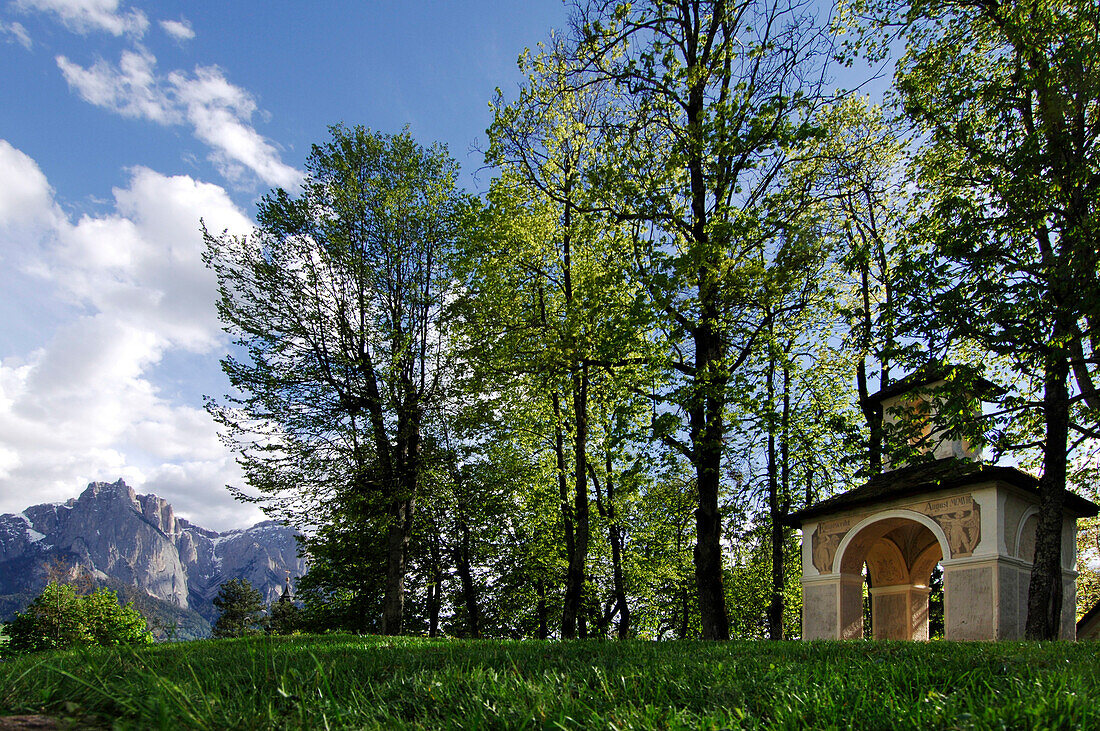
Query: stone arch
{"x": 870, "y": 520}
{"x": 924, "y": 565}
{"x": 900, "y": 549}
{"x": 1025, "y": 533}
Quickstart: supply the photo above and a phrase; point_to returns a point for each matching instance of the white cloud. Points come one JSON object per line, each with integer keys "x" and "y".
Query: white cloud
{"x": 85, "y": 404}
{"x": 17, "y": 32}
{"x": 132, "y": 89}
{"x": 85, "y": 16}
{"x": 180, "y": 29}
{"x": 218, "y": 111}
{"x": 26, "y": 199}
{"x": 144, "y": 263}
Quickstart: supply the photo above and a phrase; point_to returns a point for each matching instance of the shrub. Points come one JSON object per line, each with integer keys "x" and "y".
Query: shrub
{"x": 59, "y": 618}
{"x": 111, "y": 623}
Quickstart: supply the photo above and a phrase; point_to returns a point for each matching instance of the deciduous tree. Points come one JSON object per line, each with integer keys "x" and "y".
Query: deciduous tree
{"x": 710, "y": 95}
{"x": 336, "y": 301}
{"x": 59, "y": 618}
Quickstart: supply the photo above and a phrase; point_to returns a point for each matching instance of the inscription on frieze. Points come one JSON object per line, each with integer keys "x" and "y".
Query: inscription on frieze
{"x": 961, "y": 520}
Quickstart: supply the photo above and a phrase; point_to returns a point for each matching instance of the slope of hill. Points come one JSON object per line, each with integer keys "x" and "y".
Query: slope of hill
{"x": 136, "y": 544}
{"x": 374, "y": 682}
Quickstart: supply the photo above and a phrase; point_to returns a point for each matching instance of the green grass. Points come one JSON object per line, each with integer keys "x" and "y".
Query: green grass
{"x": 340, "y": 681}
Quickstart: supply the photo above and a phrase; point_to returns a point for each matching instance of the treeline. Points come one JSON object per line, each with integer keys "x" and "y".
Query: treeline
{"x": 583, "y": 404}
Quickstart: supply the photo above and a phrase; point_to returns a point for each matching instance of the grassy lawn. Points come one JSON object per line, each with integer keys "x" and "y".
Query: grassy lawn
{"x": 340, "y": 681}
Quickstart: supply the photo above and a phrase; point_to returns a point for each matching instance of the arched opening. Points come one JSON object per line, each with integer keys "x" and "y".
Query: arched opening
{"x": 895, "y": 558}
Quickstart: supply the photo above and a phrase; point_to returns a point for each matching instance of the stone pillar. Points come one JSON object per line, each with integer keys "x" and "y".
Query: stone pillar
{"x": 987, "y": 599}
{"x": 832, "y": 607}
{"x": 969, "y": 600}
{"x": 900, "y": 612}
{"x": 918, "y": 612}
{"x": 851, "y": 607}
{"x": 1069, "y": 606}
{"x": 820, "y": 599}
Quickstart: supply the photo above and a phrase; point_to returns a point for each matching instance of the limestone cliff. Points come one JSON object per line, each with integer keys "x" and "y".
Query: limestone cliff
{"x": 121, "y": 538}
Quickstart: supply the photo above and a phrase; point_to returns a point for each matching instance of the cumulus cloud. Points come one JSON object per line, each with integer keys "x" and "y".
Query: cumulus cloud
{"x": 84, "y": 404}
{"x": 85, "y": 16}
{"x": 180, "y": 29}
{"x": 26, "y": 198}
{"x": 218, "y": 111}
{"x": 17, "y": 33}
{"x": 144, "y": 262}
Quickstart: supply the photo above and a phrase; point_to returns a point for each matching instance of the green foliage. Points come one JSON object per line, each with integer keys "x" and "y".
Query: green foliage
{"x": 337, "y": 305}
{"x": 749, "y": 586}
{"x": 1088, "y": 555}
{"x": 347, "y": 682}
{"x": 241, "y": 609}
{"x": 59, "y": 618}
{"x": 554, "y": 410}
{"x": 284, "y": 618}
{"x": 1006, "y": 97}
{"x": 110, "y": 623}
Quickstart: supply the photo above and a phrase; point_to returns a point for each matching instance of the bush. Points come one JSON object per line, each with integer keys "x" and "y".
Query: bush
{"x": 241, "y": 609}
{"x": 59, "y": 618}
{"x": 111, "y": 623}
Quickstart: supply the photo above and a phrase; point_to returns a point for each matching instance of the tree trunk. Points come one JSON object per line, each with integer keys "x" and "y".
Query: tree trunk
{"x": 397, "y": 550}
{"x": 872, "y": 414}
{"x": 707, "y": 438}
{"x": 615, "y": 536}
{"x": 1044, "y": 599}
{"x": 402, "y": 509}
{"x": 683, "y": 612}
{"x": 435, "y": 588}
{"x": 569, "y": 618}
{"x": 775, "y": 510}
{"x": 575, "y": 573}
{"x": 469, "y": 588}
{"x": 707, "y": 401}
{"x": 582, "y": 616}
{"x": 540, "y": 609}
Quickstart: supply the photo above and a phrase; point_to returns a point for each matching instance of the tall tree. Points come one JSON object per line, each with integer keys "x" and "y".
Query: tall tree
{"x": 576, "y": 319}
{"x": 793, "y": 442}
{"x": 709, "y": 96}
{"x": 241, "y": 609}
{"x": 336, "y": 301}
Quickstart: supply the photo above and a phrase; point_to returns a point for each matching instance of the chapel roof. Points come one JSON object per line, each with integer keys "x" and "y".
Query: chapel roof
{"x": 930, "y": 477}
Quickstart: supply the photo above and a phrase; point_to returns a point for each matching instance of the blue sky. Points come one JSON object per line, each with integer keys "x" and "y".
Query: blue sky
{"x": 121, "y": 123}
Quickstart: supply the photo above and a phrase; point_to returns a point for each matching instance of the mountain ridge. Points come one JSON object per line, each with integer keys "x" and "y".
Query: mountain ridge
{"x": 120, "y": 538}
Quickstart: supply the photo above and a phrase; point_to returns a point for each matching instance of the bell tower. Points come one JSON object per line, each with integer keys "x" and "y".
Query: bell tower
{"x": 912, "y": 408}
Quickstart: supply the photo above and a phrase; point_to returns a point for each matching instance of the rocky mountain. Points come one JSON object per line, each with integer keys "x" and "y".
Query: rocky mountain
{"x": 137, "y": 544}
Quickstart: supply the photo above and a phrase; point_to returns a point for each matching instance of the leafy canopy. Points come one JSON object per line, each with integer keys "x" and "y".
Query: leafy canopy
{"x": 60, "y": 619}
